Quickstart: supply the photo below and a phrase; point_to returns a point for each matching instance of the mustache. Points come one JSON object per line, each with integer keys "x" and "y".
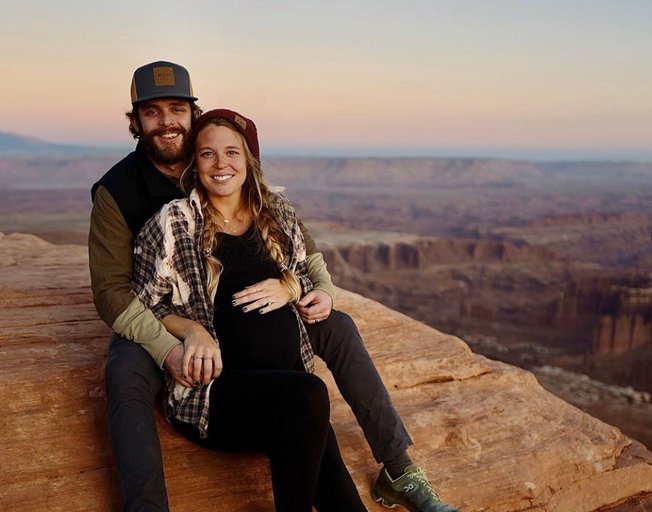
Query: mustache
{"x": 162, "y": 131}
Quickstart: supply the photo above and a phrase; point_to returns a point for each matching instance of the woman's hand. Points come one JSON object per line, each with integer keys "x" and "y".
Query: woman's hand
{"x": 265, "y": 296}
{"x": 201, "y": 349}
{"x": 202, "y": 359}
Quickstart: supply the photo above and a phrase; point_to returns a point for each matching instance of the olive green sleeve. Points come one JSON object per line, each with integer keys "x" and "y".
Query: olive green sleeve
{"x": 110, "y": 248}
{"x": 317, "y": 271}
{"x": 139, "y": 324}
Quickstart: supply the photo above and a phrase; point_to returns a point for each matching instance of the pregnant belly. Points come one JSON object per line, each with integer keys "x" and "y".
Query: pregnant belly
{"x": 251, "y": 341}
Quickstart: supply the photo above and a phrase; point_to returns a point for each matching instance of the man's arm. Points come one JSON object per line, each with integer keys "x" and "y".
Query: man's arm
{"x": 317, "y": 271}
{"x": 316, "y": 305}
{"x": 110, "y": 248}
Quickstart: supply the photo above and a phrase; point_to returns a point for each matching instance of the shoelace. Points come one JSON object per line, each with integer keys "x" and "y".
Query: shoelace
{"x": 420, "y": 476}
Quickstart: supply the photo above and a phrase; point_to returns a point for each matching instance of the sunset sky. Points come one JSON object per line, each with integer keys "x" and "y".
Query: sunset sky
{"x": 515, "y": 78}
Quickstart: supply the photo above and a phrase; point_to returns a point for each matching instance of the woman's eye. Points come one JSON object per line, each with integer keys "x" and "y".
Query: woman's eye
{"x": 207, "y": 154}
{"x": 233, "y": 153}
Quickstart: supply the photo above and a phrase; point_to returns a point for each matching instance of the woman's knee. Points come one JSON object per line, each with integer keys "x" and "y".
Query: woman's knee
{"x": 312, "y": 400}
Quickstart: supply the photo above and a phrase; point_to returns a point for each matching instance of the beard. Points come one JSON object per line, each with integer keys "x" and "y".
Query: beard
{"x": 166, "y": 153}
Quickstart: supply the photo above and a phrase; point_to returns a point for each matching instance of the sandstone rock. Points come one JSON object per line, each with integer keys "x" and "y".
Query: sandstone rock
{"x": 487, "y": 433}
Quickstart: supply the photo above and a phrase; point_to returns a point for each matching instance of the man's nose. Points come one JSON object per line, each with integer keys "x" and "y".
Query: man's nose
{"x": 166, "y": 119}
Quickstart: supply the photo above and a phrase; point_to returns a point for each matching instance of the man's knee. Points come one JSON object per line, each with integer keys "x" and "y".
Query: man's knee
{"x": 342, "y": 321}
{"x": 337, "y": 333}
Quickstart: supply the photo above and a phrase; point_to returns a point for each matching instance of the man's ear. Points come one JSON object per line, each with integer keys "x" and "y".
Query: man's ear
{"x": 134, "y": 123}
{"x": 196, "y": 114}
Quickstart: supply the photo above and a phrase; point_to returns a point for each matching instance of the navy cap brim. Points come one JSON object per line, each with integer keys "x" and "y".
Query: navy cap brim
{"x": 164, "y": 95}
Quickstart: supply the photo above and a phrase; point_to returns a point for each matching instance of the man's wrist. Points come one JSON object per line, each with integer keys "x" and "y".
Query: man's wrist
{"x": 161, "y": 362}
{"x": 330, "y": 291}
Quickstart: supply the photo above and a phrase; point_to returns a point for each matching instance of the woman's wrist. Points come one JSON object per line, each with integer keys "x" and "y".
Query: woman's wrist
{"x": 191, "y": 329}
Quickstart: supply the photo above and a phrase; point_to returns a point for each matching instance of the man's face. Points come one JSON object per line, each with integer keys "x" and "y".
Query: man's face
{"x": 165, "y": 123}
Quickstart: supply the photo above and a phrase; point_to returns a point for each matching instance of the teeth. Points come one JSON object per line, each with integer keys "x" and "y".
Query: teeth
{"x": 169, "y": 135}
{"x": 223, "y": 178}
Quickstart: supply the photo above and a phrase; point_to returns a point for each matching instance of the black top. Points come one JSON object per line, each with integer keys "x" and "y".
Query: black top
{"x": 251, "y": 341}
{"x": 138, "y": 188}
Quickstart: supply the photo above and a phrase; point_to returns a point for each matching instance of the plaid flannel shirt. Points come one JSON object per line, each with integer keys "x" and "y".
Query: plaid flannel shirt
{"x": 170, "y": 278}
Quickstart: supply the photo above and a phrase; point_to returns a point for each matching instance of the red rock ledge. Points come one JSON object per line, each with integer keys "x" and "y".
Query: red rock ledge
{"x": 487, "y": 433}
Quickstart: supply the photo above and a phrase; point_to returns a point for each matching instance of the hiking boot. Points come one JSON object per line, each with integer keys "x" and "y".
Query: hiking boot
{"x": 410, "y": 490}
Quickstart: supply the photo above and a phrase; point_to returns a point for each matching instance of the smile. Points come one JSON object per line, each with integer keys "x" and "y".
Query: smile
{"x": 169, "y": 136}
{"x": 223, "y": 177}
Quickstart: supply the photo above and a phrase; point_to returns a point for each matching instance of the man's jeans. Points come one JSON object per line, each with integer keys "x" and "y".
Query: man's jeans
{"x": 133, "y": 380}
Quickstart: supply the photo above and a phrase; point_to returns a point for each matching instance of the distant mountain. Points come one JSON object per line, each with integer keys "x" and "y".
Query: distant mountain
{"x": 12, "y": 143}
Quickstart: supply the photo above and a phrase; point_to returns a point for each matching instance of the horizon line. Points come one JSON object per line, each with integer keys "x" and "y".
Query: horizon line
{"x": 482, "y": 153}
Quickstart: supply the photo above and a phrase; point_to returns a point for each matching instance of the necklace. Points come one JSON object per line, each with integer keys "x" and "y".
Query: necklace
{"x": 233, "y": 229}
{"x": 228, "y": 226}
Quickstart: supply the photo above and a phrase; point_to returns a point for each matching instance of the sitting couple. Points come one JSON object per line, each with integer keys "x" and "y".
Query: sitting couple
{"x": 232, "y": 299}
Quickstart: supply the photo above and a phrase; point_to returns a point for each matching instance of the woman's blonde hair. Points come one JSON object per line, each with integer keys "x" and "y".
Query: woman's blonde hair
{"x": 256, "y": 198}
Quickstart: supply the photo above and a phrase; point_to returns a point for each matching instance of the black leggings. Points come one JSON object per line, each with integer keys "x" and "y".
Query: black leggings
{"x": 285, "y": 415}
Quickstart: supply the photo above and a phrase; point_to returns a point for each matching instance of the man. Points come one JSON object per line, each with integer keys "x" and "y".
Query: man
{"x": 123, "y": 200}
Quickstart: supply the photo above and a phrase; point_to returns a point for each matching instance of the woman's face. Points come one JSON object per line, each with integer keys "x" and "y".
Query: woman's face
{"x": 221, "y": 161}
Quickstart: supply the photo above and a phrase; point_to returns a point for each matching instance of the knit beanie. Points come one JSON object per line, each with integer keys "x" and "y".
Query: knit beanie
{"x": 245, "y": 126}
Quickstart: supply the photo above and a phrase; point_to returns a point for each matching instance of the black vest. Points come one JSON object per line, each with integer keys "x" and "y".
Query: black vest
{"x": 138, "y": 188}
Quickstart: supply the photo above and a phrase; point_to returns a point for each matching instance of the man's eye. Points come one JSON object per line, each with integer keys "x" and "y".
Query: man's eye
{"x": 179, "y": 110}
{"x": 151, "y": 112}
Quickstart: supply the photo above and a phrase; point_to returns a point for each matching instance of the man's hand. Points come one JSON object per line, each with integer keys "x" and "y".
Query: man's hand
{"x": 205, "y": 354}
{"x": 315, "y": 306}
{"x": 174, "y": 365}
{"x": 265, "y": 296}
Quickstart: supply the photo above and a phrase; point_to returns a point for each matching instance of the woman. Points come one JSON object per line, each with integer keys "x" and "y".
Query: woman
{"x": 191, "y": 261}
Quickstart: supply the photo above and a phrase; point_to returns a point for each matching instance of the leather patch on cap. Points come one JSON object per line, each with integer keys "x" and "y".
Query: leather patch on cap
{"x": 163, "y": 76}
{"x": 241, "y": 122}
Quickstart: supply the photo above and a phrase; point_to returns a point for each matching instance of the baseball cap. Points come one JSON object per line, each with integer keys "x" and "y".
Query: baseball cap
{"x": 161, "y": 79}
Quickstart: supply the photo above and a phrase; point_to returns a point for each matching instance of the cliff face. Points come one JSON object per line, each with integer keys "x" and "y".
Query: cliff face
{"x": 583, "y": 306}
{"x": 411, "y": 252}
{"x": 617, "y": 314}
{"x": 619, "y": 240}
{"x": 625, "y": 321}
{"x": 619, "y": 318}
{"x": 487, "y": 433}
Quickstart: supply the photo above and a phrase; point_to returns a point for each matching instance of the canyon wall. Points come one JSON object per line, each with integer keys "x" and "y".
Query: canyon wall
{"x": 506, "y": 287}
{"x": 416, "y": 253}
